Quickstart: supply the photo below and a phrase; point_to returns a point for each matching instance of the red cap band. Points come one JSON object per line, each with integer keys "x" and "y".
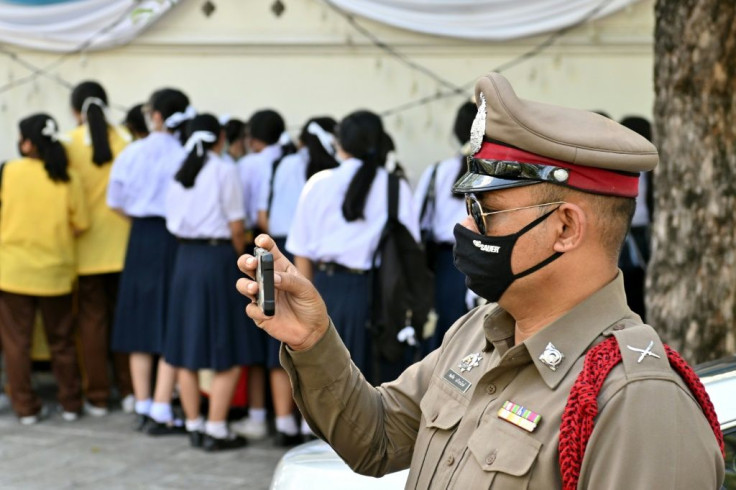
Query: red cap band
{"x": 591, "y": 179}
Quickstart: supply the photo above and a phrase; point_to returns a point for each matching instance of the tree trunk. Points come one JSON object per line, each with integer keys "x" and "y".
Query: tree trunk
{"x": 691, "y": 281}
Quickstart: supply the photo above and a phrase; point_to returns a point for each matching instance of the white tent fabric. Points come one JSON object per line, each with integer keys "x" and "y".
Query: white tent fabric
{"x": 490, "y": 20}
{"x": 81, "y": 24}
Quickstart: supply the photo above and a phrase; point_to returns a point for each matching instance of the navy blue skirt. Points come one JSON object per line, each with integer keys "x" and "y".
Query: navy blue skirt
{"x": 449, "y": 292}
{"x": 207, "y": 325}
{"x": 348, "y": 297}
{"x": 274, "y": 346}
{"x": 140, "y": 313}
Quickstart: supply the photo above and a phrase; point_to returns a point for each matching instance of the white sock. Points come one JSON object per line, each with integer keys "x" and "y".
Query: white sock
{"x": 217, "y": 430}
{"x": 306, "y": 430}
{"x": 143, "y": 407}
{"x": 257, "y": 414}
{"x": 161, "y": 412}
{"x": 196, "y": 425}
{"x": 287, "y": 425}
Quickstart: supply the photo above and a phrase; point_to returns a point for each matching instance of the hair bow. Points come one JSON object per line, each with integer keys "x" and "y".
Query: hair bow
{"x": 326, "y": 139}
{"x": 196, "y": 140}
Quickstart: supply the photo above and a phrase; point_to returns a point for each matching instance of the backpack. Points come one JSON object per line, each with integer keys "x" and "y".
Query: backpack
{"x": 403, "y": 285}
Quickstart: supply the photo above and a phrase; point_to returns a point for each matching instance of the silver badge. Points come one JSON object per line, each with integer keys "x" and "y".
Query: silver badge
{"x": 469, "y": 362}
{"x": 644, "y": 352}
{"x": 560, "y": 175}
{"x": 551, "y": 357}
{"x": 478, "y": 129}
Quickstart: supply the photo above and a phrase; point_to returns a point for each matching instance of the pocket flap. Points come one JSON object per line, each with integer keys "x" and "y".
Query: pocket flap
{"x": 440, "y": 409}
{"x": 498, "y": 446}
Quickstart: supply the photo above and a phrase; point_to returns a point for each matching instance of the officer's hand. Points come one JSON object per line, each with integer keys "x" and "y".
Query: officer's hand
{"x": 301, "y": 315}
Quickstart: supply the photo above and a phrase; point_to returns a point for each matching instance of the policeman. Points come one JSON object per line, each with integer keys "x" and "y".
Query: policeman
{"x": 550, "y": 193}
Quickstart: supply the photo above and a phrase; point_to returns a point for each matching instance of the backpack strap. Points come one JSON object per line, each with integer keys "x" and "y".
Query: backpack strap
{"x": 578, "y": 418}
{"x": 393, "y": 197}
{"x": 428, "y": 205}
{"x": 274, "y": 166}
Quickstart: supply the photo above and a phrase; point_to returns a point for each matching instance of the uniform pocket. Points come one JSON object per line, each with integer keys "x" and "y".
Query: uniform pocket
{"x": 505, "y": 450}
{"x": 441, "y": 408}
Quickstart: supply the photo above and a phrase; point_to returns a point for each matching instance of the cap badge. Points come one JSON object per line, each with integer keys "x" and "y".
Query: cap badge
{"x": 560, "y": 175}
{"x": 478, "y": 129}
{"x": 644, "y": 352}
{"x": 470, "y": 361}
{"x": 519, "y": 416}
{"x": 551, "y": 357}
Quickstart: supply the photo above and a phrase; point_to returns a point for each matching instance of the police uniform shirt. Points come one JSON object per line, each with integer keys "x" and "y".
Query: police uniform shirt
{"x": 443, "y": 422}
{"x": 101, "y": 249}
{"x": 141, "y": 175}
{"x": 255, "y": 172}
{"x": 288, "y": 183}
{"x": 448, "y": 211}
{"x": 319, "y": 231}
{"x": 206, "y": 209}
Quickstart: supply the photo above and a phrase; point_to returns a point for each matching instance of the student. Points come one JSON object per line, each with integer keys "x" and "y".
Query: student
{"x": 316, "y": 153}
{"x": 206, "y": 328}
{"x": 138, "y": 183}
{"x": 42, "y": 208}
{"x": 135, "y": 122}
{"x": 337, "y": 226}
{"x": 263, "y": 132}
{"x": 101, "y": 250}
{"x": 234, "y": 148}
{"x": 440, "y": 210}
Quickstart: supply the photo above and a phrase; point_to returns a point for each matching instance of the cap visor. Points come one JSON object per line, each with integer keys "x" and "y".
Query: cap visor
{"x": 472, "y": 182}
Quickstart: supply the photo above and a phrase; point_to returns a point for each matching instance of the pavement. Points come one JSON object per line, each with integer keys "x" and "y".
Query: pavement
{"x": 105, "y": 453}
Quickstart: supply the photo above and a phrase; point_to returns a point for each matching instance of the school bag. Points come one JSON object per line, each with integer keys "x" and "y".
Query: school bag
{"x": 403, "y": 285}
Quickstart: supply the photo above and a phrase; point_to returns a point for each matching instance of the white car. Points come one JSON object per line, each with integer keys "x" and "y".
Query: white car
{"x": 315, "y": 466}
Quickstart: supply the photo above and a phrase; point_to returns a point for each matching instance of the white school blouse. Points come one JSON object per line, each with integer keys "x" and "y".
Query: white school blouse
{"x": 320, "y": 232}
{"x": 141, "y": 173}
{"x": 288, "y": 183}
{"x": 206, "y": 209}
{"x": 448, "y": 210}
{"x": 255, "y": 172}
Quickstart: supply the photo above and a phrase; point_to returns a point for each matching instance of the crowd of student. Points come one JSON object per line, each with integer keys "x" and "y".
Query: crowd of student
{"x": 126, "y": 239}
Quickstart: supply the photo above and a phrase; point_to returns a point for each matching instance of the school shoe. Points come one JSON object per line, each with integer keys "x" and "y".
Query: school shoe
{"x": 69, "y": 416}
{"x": 173, "y": 428}
{"x": 140, "y": 422}
{"x": 250, "y": 429}
{"x": 232, "y": 441}
{"x": 128, "y": 404}
{"x": 285, "y": 440}
{"x": 196, "y": 438}
{"x": 36, "y": 418}
{"x": 95, "y": 411}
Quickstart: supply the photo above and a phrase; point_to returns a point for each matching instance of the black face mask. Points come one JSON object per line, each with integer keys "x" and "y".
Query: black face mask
{"x": 486, "y": 260}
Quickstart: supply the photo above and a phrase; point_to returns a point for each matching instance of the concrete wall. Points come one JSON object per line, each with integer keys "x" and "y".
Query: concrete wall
{"x": 310, "y": 61}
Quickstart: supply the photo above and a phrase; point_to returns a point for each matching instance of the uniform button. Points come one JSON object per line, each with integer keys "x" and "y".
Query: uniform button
{"x": 450, "y": 460}
{"x": 491, "y": 458}
{"x": 491, "y": 389}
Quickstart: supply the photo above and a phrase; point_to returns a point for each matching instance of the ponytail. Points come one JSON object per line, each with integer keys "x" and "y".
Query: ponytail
{"x": 173, "y": 105}
{"x": 318, "y": 136}
{"x": 205, "y": 133}
{"x": 360, "y": 135}
{"x": 90, "y": 100}
{"x": 43, "y": 132}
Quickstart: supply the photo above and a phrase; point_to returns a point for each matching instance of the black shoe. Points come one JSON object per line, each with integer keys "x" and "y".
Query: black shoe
{"x": 196, "y": 438}
{"x": 154, "y": 428}
{"x": 212, "y": 444}
{"x": 285, "y": 440}
{"x": 140, "y": 422}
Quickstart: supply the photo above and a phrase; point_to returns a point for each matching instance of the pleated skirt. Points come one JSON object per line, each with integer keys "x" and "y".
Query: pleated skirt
{"x": 143, "y": 296}
{"x": 207, "y": 326}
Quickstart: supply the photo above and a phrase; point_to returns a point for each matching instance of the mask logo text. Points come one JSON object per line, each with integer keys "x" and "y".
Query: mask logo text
{"x": 494, "y": 249}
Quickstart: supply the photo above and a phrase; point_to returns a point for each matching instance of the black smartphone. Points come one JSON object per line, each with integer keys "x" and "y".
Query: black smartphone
{"x": 264, "y": 278}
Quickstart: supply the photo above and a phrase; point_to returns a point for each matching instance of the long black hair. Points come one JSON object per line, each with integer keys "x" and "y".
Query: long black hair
{"x": 170, "y": 101}
{"x": 197, "y": 156}
{"x": 360, "y": 134}
{"x": 90, "y": 99}
{"x": 463, "y": 122}
{"x": 42, "y": 131}
{"x": 136, "y": 122}
{"x": 320, "y": 158}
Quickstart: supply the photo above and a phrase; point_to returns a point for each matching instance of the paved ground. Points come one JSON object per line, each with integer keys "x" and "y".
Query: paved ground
{"x": 104, "y": 453}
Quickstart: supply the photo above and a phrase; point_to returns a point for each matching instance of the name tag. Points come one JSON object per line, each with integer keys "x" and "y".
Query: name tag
{"x": 457, "y": 381}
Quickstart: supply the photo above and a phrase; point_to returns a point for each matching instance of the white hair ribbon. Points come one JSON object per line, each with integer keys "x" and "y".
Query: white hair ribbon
{"x": 284, "y": 139}
{"x": 50, "y": 130}
{"x": 224, "y": 119}
{"x": 179, "y": 117}
{"x": 92, "y": 100}
{"x": 326, "y": 139}
{"x": 196, "y": 140}
{"x": 391, "y": 161}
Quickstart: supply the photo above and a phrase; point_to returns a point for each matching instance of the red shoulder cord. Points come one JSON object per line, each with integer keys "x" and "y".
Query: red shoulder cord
{"x": 582, "y": 405}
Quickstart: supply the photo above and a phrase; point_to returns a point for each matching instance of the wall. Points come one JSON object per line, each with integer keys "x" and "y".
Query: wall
{"x": 310, "y": 61}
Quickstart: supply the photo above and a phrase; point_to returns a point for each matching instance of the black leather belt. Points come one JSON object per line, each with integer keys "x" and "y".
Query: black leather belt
{"x": 332, "y": 267}
{"x": 205, "y": 241}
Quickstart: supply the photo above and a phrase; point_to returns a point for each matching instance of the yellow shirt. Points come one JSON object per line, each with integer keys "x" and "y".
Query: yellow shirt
{"x": 102, "y": 248}
{"x": 37, "y": 221}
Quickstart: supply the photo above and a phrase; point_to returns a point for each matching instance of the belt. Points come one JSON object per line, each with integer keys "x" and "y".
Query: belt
{"x": 205, "y": 241}
{"x": 332, "y": 267}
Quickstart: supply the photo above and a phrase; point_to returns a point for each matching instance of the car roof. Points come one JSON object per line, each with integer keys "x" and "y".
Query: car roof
{"x": 719, "y": 379}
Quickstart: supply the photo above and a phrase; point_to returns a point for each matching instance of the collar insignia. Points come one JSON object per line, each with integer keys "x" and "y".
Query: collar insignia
{"x": 551, "y": 357}
{"x": 470, "y": 361}
{"x": 644, "y": 352}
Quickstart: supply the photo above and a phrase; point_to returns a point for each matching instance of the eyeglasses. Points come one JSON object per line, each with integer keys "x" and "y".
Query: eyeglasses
{"x": 475, "y": 210}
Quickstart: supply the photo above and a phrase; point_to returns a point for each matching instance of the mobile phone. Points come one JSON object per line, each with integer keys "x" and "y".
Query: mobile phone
{"x": 264, "y": 277}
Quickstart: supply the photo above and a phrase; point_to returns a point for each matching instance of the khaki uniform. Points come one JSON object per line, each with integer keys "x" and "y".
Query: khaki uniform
{"x": 443, "y": 423}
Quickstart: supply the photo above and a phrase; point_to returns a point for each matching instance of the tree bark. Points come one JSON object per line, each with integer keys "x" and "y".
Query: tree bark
{"x": 691, "y": 280}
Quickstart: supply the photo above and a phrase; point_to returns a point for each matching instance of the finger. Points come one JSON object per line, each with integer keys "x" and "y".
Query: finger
{"x": 280, "y": 261}
{"x": 256, "y": 314}
{"x": 247, "y": 265}
{"x": 247, "y": 288}
{"x": 295, "y": 284}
